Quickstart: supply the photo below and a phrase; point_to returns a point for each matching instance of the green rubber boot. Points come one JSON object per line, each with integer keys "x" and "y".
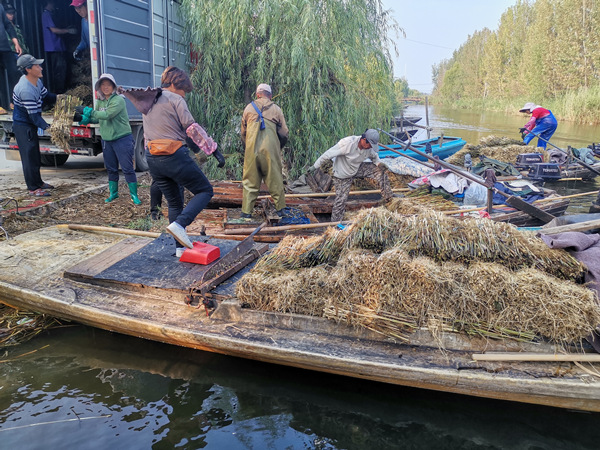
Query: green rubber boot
{"x": 113, "y": 187}
{"x": 133, "y": 192}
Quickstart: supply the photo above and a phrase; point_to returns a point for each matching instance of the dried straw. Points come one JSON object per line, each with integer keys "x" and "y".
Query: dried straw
{"x": 60, "y": 130}
{"x": 500, "y": 148}
{"x": 392, "y": 274}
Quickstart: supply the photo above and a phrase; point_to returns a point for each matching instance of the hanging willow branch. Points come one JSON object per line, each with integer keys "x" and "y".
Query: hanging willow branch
{"x": 327, "y": 61}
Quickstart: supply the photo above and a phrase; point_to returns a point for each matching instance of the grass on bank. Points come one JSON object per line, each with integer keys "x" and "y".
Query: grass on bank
{"x": 579, "y": 106}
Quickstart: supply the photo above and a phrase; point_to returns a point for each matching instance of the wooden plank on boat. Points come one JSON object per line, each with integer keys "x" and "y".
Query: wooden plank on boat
{"x": 153, "y": 265}
{"x": 582, "y": 226}
{"x": 105, "y": 259}
{"x": 518, "y": 356}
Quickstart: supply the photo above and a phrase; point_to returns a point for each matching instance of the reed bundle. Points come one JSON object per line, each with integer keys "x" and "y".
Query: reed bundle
{"x": 60, "y": 130}
{"x": 500, "y": 148}
{"x": 393, "y": 274}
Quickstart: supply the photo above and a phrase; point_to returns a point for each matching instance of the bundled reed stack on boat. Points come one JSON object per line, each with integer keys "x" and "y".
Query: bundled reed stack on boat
{"x": 60, "y": 130}
{"x": 393, "y": 274}
{"x": 500, "y": 148}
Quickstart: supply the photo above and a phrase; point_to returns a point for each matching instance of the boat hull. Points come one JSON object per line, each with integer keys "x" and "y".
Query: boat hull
{"x": 443, "y": 148}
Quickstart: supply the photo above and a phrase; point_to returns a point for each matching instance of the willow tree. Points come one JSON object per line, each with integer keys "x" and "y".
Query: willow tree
{"x": 328, "y": 62}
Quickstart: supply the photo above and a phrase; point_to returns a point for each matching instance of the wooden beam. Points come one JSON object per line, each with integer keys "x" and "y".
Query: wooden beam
{"x": 331, "y": 194}
{"x": 572, "y": 357}
{"x": 582, "y": 226}
{"x": 305, "y": 226}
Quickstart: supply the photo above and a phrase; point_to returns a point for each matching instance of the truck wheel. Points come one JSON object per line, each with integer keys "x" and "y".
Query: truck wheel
{"x": 141, "y": 165}
{"x": 54, "y": 160}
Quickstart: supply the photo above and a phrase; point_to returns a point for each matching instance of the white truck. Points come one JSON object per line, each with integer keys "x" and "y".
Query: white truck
{"x": 134, "y": 40}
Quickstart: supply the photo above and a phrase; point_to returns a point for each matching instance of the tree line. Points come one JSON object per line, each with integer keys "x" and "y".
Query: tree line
{"x": 328, "y": 63}
{"x": 544, "y": 51}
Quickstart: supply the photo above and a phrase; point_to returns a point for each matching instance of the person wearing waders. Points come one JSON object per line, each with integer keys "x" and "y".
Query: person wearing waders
{"x": 349, "y": 156}
{"x": 264, "y": 133}
{"x": 542, "y": 123}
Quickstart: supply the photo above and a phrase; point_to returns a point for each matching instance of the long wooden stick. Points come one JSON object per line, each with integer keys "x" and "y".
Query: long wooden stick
{"x": 542, "y": 200}
{"x": 581, "y": 226}
{"x": 305, "y": 226}
{"x": 583, "y": 357}
{"x": 331, "y": 194}
{"x": 109, "y": 230}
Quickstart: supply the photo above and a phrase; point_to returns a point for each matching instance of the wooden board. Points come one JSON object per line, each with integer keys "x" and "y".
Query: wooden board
{"x": 152, "y": 265}
{"x": 102, "y": 261}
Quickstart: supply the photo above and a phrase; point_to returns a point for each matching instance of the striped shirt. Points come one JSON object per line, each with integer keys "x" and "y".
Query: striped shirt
{"x": 28, "y": 100}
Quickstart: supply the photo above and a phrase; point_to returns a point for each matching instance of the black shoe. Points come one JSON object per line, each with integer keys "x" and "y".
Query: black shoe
{"x": 245, "y": 216}
{"x": 154, "y": 215}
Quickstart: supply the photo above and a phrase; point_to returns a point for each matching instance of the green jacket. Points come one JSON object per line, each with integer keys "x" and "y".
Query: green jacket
{"x": 112, "y": 116}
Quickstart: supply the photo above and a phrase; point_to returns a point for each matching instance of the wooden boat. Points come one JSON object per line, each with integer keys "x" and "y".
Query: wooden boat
{"x": 404, "y": 121}
{"x": 403, "y": 134}
{"x": 520, "y": 219}
{"x": 91, "y": 278}
{"x": 578, "y": 171}
{"x": 442, "y": 147}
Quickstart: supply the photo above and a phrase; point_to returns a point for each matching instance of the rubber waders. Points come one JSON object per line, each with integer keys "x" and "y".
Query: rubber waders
{"x": 133, "y": 192}
{"x": 113, "y": 187}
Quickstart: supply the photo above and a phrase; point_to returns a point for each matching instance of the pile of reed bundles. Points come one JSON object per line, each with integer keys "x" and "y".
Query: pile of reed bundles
{"x": 392, "y": 274}
{"x": 60, "y": 130}
{"x": 500, "y": 148}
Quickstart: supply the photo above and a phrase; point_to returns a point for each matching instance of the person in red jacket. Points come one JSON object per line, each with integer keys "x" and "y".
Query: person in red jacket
{"x": 542, "y": 123}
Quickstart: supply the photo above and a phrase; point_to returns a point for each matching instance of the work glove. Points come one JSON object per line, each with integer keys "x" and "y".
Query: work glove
{"x": 311, "y": 170}
{"x": 77, "y": 55}
{"x": 217, "y": 154}
{"x": 72, "y": 30}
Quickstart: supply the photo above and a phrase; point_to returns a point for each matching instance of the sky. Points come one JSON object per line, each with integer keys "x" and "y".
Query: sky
{"x": 434, "y": 29}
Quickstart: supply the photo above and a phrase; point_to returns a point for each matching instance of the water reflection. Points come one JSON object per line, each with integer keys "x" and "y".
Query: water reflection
{"x": 124, "y": 392}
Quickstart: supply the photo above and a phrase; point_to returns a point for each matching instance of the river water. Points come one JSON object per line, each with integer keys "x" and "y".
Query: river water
{"x": 79, "y": 387}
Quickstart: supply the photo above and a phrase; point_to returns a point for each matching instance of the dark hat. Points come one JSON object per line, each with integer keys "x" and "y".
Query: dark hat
{"x": 27, "y": 61}
{"x": 10, "y": 9}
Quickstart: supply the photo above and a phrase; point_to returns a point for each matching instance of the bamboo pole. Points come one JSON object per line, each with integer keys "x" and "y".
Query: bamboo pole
{"x": 579, "y": 357}
{"x": 331, "y": 194}
{"x": 305, "y": 226}
{"x": 76, "y": 227}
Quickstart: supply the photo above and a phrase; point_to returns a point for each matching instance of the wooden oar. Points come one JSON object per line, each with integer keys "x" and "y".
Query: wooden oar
{"x": 331, "y": 194}
{"x": 511, "y": 200}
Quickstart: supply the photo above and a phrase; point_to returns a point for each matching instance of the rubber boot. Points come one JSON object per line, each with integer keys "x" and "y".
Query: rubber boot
{"x": 113, "y": 187}
{"x": 133, "y": 192}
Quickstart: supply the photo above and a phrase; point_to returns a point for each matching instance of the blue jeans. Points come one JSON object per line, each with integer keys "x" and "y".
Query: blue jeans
{"x": 171, "y": 171}
{"x": 119, "y": 151}
{"x": 544, "y": 128}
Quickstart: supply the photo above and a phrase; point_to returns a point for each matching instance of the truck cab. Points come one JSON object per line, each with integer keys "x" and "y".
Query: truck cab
{"x": 132, "y": 40}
